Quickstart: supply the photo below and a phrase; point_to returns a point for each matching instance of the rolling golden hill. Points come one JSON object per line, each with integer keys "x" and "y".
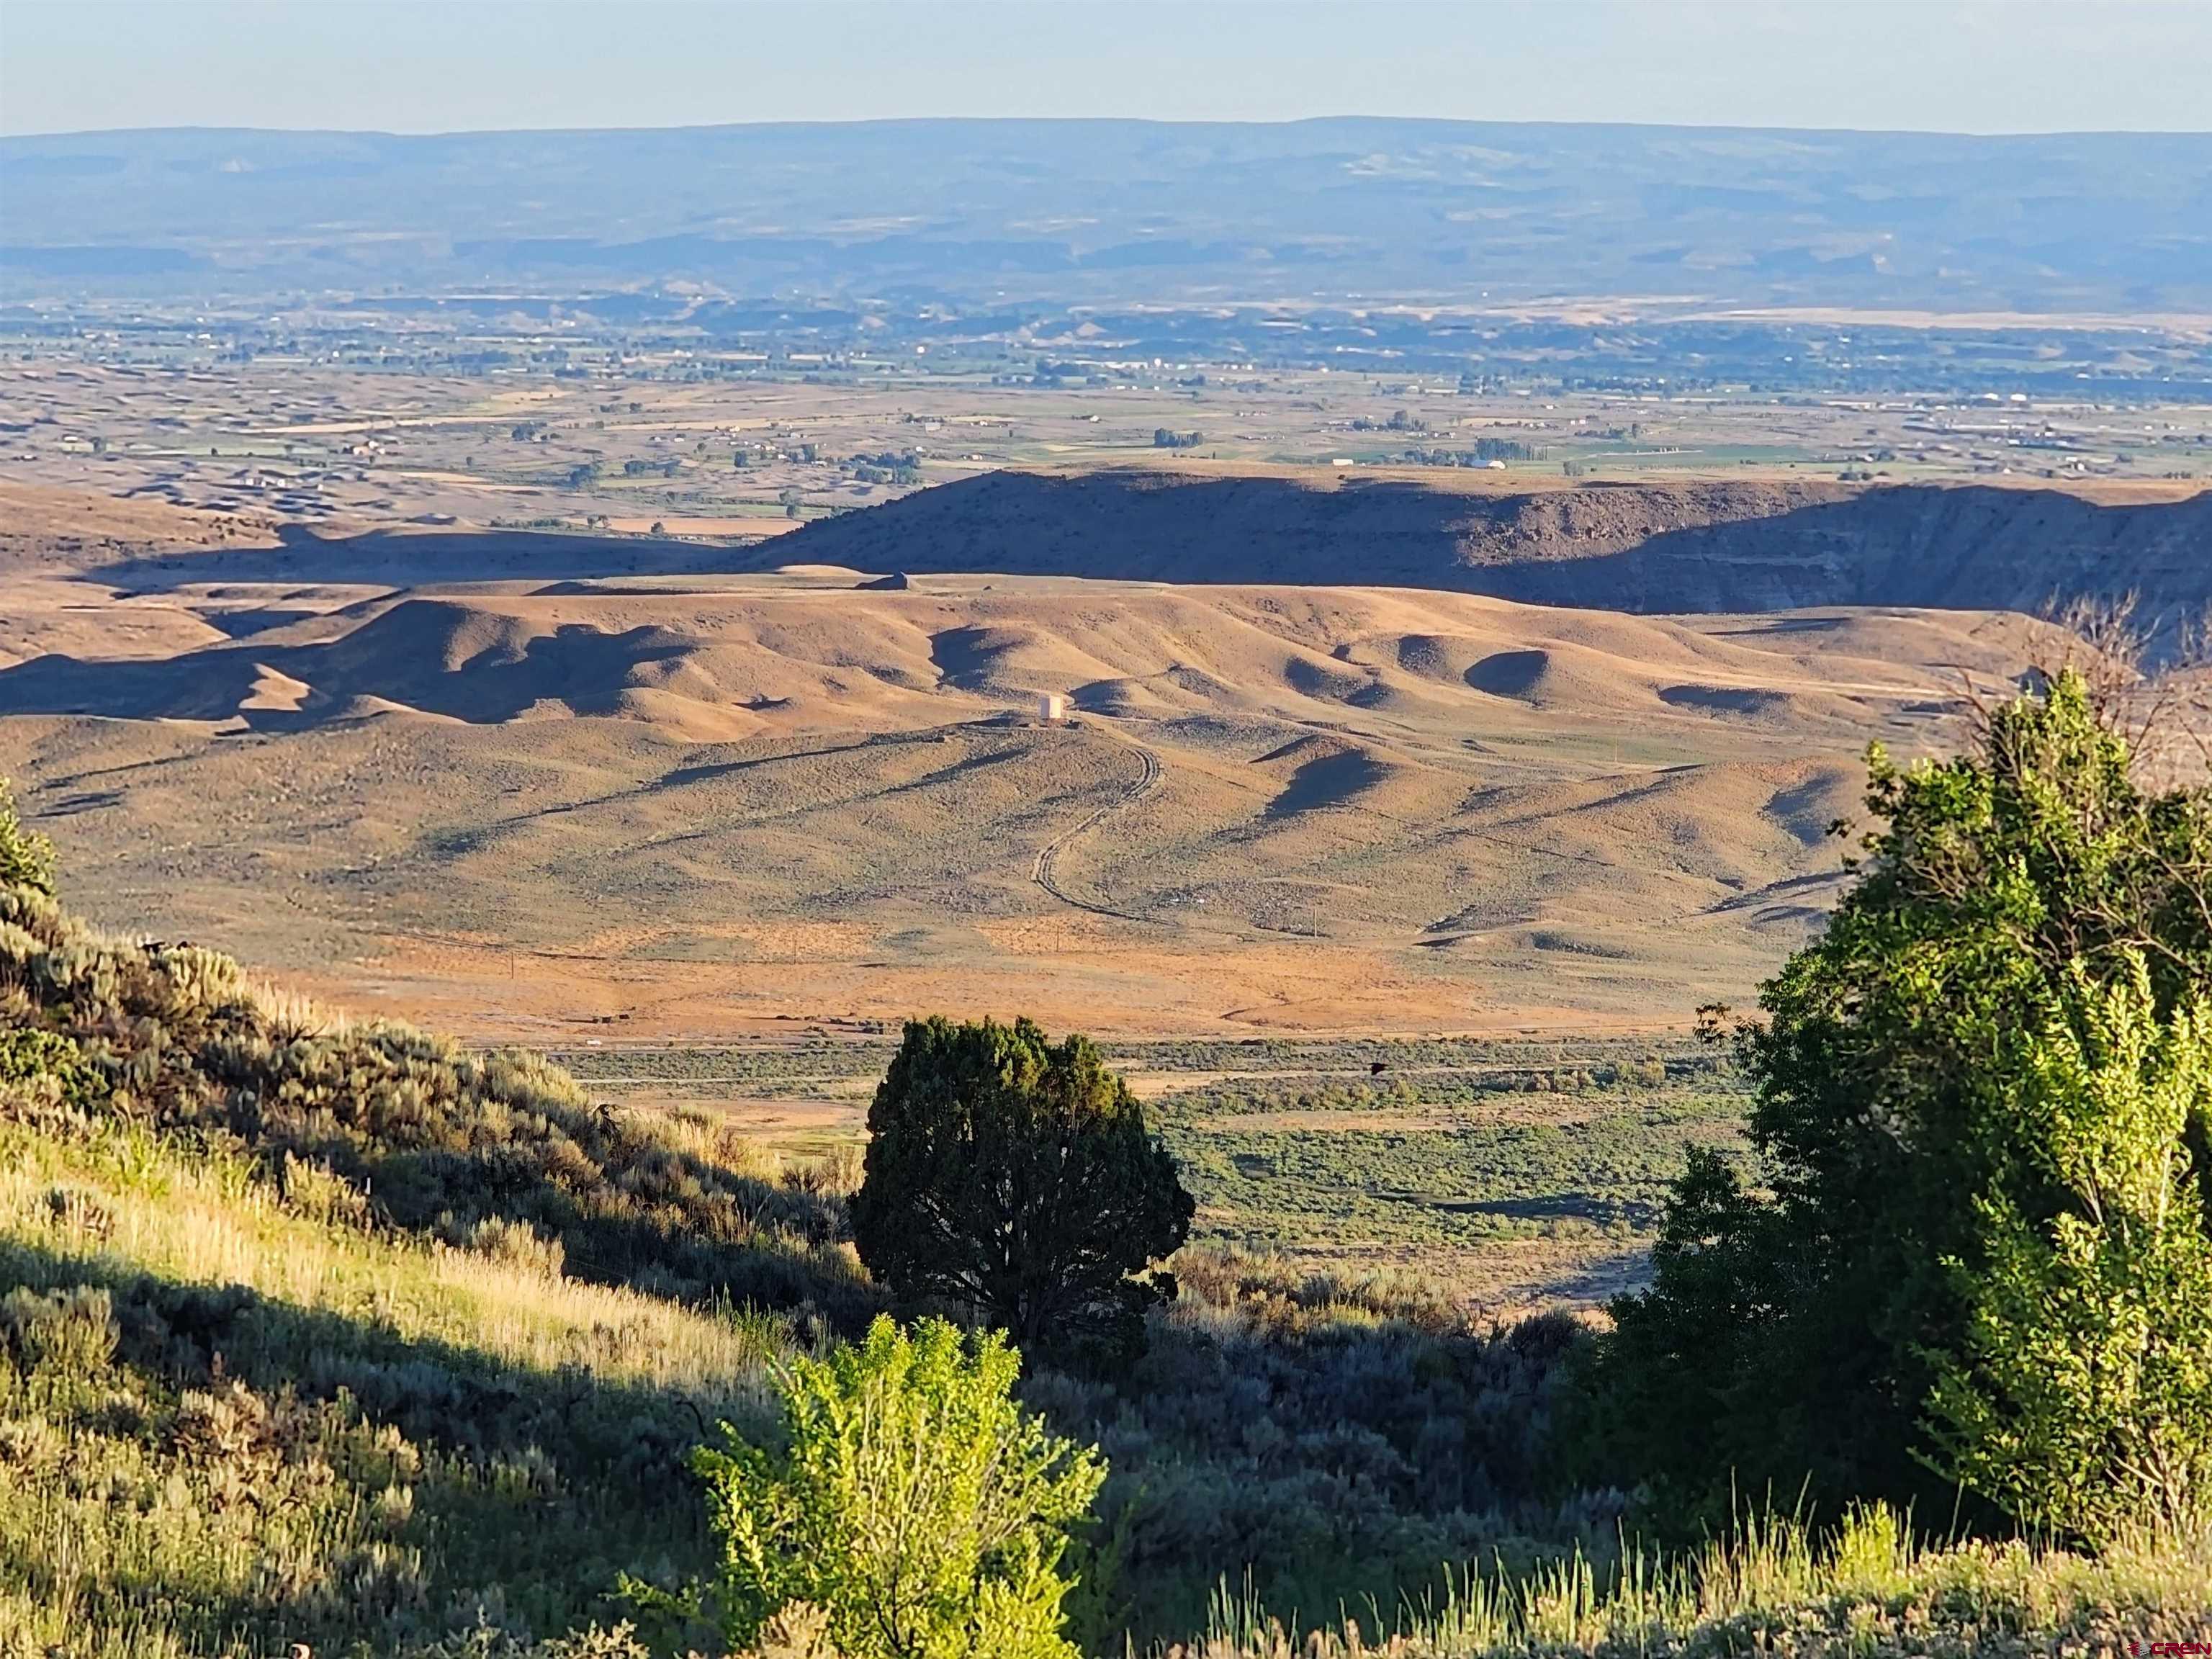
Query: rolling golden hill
{"x": 686, "y": 806}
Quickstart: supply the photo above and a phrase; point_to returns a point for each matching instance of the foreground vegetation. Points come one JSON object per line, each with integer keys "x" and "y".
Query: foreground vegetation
{"x": 219, "y": 1194}
{"x": 1863, "y": 1587}
{"x": 1977, "y": 1263}
{"x": 313, "y": 1332}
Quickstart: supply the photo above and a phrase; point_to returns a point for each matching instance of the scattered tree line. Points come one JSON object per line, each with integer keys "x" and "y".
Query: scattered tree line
{"x": 902, "y": 467}
{"x": 1486, "y": 451}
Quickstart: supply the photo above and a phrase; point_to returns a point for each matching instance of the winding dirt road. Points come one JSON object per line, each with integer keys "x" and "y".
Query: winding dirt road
{"x": 1045, "y": 869}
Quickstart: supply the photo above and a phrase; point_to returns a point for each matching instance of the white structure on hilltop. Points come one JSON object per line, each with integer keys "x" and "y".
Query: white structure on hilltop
{"x": 1052, "y": 707}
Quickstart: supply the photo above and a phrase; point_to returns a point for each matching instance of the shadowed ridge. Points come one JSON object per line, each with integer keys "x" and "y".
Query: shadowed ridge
{"x": 1648, "y": 548}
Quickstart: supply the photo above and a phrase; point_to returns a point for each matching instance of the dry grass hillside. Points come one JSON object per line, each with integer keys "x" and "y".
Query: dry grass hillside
{"x": 690, "y": 805}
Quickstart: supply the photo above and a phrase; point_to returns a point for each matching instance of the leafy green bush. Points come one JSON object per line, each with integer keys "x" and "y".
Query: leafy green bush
{"x": 2082, "y": 1402}
{"x": 1946, "y": 1098}
{"x": 1017, "y": 1176}
{"x": 26, "y": 859}
{"x": 914, "y": 1503}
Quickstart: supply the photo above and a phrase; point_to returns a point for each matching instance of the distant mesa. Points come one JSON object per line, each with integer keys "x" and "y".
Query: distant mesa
{"x": 1673, "y": 548}
{"x": 1659, "y": 548}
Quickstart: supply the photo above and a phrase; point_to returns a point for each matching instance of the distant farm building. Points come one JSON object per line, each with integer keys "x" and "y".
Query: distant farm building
{"x": 1052, "y": 707}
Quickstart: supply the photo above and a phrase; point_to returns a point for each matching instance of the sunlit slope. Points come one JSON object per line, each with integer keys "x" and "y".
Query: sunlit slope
{"x": 1274, "y": 805}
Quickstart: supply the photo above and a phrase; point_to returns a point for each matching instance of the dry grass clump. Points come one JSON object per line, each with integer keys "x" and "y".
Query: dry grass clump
{"x": 227, "y": 1423}
{"x": 290, "y": 1016}
{"x": 1266, "y": 1290}
{"x": 120, "y": 1204}
{"x": 1868, "y": 1588}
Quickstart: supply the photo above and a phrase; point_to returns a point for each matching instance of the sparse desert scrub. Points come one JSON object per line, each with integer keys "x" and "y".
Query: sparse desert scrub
{"x": 201, "y": 1382}
{"x": 433, "y": 1138}
{"x": 1335, "y": 1441}
{"x": 367, "y": 1209}
{"x": 1428, "y": 1168}
{"x": 336, "y": 1334}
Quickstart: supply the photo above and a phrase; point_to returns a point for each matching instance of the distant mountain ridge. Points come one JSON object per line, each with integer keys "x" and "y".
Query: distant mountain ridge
{"x": 1317, "y": 211}
{"x": 1642, "y": 548}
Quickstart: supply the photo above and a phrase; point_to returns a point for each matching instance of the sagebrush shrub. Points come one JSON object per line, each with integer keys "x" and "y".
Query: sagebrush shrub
{"x": 26, "y": 859}
{"x": 385, "y": 1121}
{"x": 912, "y": 1501}
{"x": 69, "y": 1334}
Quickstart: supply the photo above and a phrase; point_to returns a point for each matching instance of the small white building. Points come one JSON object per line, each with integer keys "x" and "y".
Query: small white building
{"x": 1052, "y": 707}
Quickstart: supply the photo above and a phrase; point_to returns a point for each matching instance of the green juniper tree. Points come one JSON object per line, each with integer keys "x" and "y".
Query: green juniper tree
{"x": 1015, "y": 1176}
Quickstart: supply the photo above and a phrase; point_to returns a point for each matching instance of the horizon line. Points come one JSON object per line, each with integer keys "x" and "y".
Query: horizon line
{"x": 1980, "y": 135}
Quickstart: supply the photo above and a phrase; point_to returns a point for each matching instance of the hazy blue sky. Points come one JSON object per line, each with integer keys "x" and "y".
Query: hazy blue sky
{"x": 430, "y": 66}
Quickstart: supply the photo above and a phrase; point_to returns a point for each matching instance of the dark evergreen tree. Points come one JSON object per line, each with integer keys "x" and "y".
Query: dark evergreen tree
{"x": 1015, "y": 1176}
